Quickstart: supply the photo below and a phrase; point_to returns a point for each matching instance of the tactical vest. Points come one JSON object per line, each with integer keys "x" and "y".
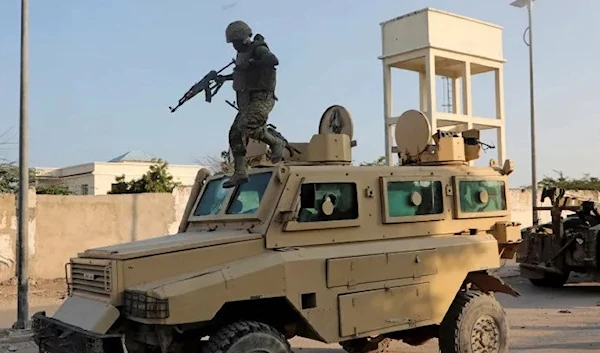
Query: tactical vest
{"x": 253, "y": 78}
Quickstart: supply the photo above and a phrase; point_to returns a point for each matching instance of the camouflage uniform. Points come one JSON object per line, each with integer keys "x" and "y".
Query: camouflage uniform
{"x": 251, "y": 120}
{"x": 254, "y": 80}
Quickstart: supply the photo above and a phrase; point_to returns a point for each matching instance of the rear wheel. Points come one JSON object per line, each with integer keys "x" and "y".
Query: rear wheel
{"x": 245, "y": 337}
{"x": 475, "y": 323}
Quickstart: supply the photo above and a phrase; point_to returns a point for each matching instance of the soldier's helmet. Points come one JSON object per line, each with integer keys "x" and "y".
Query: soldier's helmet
{"x": 237, "y": 30}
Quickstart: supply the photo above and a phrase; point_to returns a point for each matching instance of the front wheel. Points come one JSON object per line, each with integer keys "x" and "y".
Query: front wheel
{"x": 245, "y": 337}
{"x": 475, "y": 323}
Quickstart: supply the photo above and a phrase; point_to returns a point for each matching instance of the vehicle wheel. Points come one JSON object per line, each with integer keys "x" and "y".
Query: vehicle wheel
{"x": 551, "y": 280}
{"x": 366, "y": 345}
{"x": 475, "y": 323}
{"x": 245, "y": 337}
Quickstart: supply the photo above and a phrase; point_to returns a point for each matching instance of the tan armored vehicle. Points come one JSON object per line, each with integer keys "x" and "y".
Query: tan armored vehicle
{"x": 313, "y": 247}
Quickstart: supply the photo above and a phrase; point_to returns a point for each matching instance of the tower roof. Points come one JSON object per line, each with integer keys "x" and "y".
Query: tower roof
{"x": 134, "y": 156}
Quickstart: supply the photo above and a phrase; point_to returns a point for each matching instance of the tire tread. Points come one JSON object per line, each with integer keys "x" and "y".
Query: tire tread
{"x": 226, "y": 336}
{"x": 450, "y": 330}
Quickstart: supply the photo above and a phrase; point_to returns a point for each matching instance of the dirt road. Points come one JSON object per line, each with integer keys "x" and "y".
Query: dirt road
{"x": 563, "y": 320}
{"x": 43, "y": 295}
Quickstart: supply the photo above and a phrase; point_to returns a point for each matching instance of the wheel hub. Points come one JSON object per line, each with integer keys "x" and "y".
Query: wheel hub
{"x": 485, "y": 336}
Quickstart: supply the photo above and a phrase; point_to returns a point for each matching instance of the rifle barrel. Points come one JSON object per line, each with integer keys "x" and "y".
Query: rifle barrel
{"x": 193, "y": 90}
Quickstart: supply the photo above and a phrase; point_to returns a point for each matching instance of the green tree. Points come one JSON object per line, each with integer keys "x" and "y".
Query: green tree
{"x": 587, "y": 182}
{"x": 156, "y": 179}
{"x": 59, "y": 189}
{"x": 9, "y": 178}
{"x": 378, "y": 161}
{"x": 9, "y": 181}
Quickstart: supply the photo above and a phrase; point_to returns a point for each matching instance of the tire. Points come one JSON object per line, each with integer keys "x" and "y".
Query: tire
{"x": 470, "y": 317}
{"x": 551, "y": 280}
{"x": 366, "y": 345}
{"x": 247, "y": 336}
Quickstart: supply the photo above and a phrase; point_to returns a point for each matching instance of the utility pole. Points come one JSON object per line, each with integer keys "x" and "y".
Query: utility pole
{"x": 529, "y": 4}
{"x": 23, "y": 212}
{"x": 532, "y": 108}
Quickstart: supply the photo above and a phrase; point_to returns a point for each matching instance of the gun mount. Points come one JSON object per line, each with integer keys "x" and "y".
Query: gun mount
{"x": 418, "y": 146}
{"x": 330, "y": 146}
{"x": 333, "y": 143}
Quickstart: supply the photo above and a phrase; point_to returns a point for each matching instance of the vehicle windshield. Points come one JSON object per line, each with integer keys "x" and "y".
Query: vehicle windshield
{"x": 245, "y": 200}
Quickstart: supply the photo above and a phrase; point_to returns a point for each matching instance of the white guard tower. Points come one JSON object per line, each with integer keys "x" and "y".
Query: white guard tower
{"x": 433, "y": 42}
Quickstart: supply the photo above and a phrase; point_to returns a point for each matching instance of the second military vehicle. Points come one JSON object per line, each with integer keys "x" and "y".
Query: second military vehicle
{"x": 312, "y": 247}
{"x": 551, "y": 251}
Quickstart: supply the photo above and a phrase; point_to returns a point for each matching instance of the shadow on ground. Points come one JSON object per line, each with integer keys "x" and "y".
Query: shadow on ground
{"x": 592, "y": 346}
{"x": 579, "y": 292}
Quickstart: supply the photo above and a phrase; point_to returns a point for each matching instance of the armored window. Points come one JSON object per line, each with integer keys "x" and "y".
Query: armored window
{"x": 414, "y": 198}
{"x": 247, "y": 196}
{"x": 478, "y": 196}
{"x": 212, "y": 198}
{"x": 320, "y": 202}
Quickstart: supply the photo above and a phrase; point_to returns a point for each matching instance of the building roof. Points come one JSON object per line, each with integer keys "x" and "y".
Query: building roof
{"x": 134, "y": 156}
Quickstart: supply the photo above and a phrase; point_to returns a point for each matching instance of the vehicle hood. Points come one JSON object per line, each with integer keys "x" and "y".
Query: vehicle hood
{"x": 168, "y": 244}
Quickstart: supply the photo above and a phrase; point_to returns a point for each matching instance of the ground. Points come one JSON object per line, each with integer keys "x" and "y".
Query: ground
{"x": 43, "y": 295}
{"x": 565, "y": 320}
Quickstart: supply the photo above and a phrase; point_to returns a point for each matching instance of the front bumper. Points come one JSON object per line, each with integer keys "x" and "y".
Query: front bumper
{"x": 54, "y": 336}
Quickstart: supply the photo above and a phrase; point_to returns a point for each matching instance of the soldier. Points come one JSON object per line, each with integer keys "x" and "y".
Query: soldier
{"x": 254, "y": 79}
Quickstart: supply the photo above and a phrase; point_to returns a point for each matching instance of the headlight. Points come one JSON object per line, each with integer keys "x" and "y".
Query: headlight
{"x": 139, "y": 304}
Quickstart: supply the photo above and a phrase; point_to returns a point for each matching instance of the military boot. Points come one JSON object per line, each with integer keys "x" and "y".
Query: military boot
{"x": 239, "y": 176}
{"x": 276, "y": 145}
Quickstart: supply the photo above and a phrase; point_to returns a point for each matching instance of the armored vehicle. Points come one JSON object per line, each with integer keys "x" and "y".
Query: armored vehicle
{"x": 312, "y": 247}
{"x": 551, "y": 251}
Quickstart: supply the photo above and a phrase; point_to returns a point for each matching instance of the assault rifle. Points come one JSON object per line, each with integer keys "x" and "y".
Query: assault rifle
{"x": 203, "y": 85}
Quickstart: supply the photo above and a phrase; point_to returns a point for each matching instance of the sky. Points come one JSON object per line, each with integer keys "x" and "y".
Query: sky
{"x": 103, "y": 73}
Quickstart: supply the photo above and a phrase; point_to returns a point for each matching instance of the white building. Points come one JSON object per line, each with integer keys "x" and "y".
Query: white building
{"x": 96, "y": 178}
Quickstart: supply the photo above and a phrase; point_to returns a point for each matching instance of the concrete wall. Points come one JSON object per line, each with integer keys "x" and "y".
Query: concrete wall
{"x": 8, "y": 226}
{"x": 521, "y": 204}
{"x": 62, "y": 226}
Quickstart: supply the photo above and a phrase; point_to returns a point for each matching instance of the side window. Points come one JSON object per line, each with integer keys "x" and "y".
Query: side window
{"x": 320, "y": 202}
{"x": 482, "y": 195}
{"x": 414, "y": 198}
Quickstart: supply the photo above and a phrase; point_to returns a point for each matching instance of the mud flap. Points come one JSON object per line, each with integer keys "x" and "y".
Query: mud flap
{"x": 98, "y": 318}
{"x": 487, "y": 282}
